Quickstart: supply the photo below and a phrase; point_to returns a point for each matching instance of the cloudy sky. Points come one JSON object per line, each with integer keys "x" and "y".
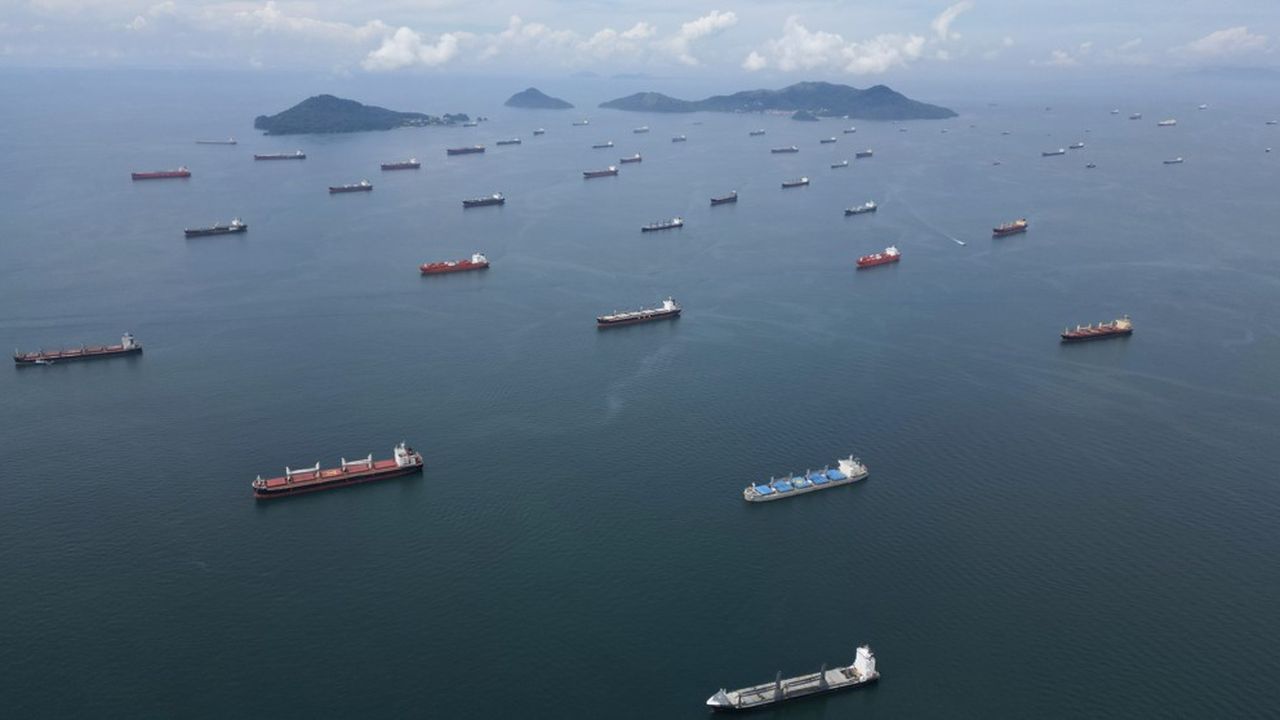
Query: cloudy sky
{"x": 812, "y": 38}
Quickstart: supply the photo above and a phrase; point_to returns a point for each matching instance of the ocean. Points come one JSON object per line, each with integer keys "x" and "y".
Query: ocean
{"x": 1048, "y": 531}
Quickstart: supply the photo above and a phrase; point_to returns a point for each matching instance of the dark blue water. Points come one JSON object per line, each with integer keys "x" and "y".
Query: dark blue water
{"x": 1048, "y": 531}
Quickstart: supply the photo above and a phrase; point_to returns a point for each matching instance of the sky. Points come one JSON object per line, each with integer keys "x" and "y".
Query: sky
{"x": 855, "y": 42}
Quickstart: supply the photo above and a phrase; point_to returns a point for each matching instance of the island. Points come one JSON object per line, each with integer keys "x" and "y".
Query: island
{"x": 822, "y": 99}
{"x": 535, "y": 99}
{"x": 329, "y": 114}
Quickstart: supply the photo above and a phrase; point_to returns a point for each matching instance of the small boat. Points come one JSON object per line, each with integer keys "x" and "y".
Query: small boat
{"x": 235, "y": 226}
{"x": 1076, "y": 146}
{"x": 1051, "y": 153}
{"x": 1121, "y": 326}
{"x": 725, "y": 199}
{"x": 1173, "y": 161}
{"x": 781, "y": 150}
{"x": 826, "y": 141}
{"x": 540, "y": 131}
{"x": 862, "y": 154}
{"x": 410, "y": 164}
{"x": 362, "y": 186}
{"x": 671, "y": 224}
{"x": 228, "y": 141}
{"x": 603, "y": 145}
{"x": 841, "y": 164}
{"x": 755, "y": 133}
{"x": 581, "y": 123}
{"x": 1136, "y": 116}
{"x": 890, "y": 254}
{"x": 849, "y": 130}
{"x": 508, "y": 141}
{"x": 633, "y": 159}
{"x": 494, "y": 199}
{"x": 1167, "y": 123}
{"x": 798, "y": 182}
{"x": 469, "y": 150}
{"x": 866, "y": 207}
{"x": 641, "y": 130}
{"x": 295, "y": 155}
{"x": 1010, "y": 228}
{"x": 607, "y": 172}
{"x": 679, "y": 138}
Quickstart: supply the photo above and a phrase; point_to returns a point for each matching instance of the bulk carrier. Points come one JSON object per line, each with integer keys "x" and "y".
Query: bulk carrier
{"x": 861, "y": 672}
{"x": 494, "y": 199}
{"x": 235, "y": 226}
{"x": 472, "y": 150}
{"x": 295, "y": 155}
{"x": 1010, "y": 228}
{"x": 669, "y": 309}
{"x": 477, "y": 261}
{"x": 410, "y": 164}
{"x": 127, "y": 346}
{"x": 848, "y": 470}
{"x": 1121, "y": 326}
{"x": 610, "y": 171}
{"x": 181, "y": 172}
{"x": 404, "y": 461}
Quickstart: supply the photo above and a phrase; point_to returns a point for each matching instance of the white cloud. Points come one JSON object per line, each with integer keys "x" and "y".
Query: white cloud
{"x": 138, "y": 24}
{"x": 639, "y": 31}
{"x": 1226, "y": 43}
{"x": 1086, "y": 47}
{"x": 712, "y": 23}
{"x": 941, "y": 24}
{"x": 802, "y": 49}
{"x": 405, "y": 48}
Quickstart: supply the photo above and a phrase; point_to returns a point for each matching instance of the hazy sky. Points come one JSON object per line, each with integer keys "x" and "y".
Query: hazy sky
{"x": 830, "y": 39}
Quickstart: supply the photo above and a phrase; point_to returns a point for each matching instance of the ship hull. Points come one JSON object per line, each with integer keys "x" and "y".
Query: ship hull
{"x": 205, "y": 232}
{"x": 48, "y": 358}
{"x": 858, "y": 212}
{"x": 594, "y": 175}
{"x": 460, "y": 267}
{"x": 279, "y": 157}
{"x": 340, "y": 190}
{"x": 160, "y": 176}
{"x": 863, "y": 264}
{"x": 659, "y": 228}
{"x": 724, "y": 200}
{"x": 464, "y": 151}
{"x": 414, "y": 166}
{"x": 337, "y": 481}
{"x": 1081, "y": 337}
{"x": 482, "y": 203}
{"x": 798, "y": 695}
{"x": 658, "y": 315}
{"x": 1005, "y": 233}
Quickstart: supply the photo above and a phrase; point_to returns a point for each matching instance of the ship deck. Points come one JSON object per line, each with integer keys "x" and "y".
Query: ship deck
{"x": 799, "y": 686}
{"x": 329, "y": 474}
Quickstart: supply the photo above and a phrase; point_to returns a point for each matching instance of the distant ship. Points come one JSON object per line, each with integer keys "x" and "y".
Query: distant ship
{"x": 607, "y": 172}
{"x": 1115, "y": 111}
{"x": 404, "y": 461}
{"x": 1166, "y": 123}
{"x": 1136, "y": 116}
{"x": 1075, "y": 146}
{"x": 826, "y": 141}
{"x": 1010, "y": 228}
{"x": 1173, "y": 161}
{"x": 1117, "y": 327}
{"x": 850, "y": 130}
{"x": 866, "y": 207}
{"x": 235, "y": 226}
{"x": 890, "y": 254}
{"x": 580, "y": 123}
{"x": 641, "y": 130}
{"x": 540, "y": 131}
{"x": 1273, "y": 122}
{"x": 1202, "y": 106}
{"x": 1051, "y": 153}
{"x": 494, "y": 199}
{"x": 755, "y": 133}
{"x": 780, "y": 150}
{"x": 669, "y": 309}
{"x": 127, "y": 346}
{"x": 470, "y": 150}
{"x": 671, "y": 224}
{"x": 679, "y": 138}
{"x": 601, "y": 146}
{"x": 848, "y": 470}
{"x": 228, "y": 141}
{"x": 295, "y": 155}
{"x": 362, "y": 186}
{"x": 181, "y": 172}
{"x": 410, "y": 164}
{"x": 478, "y": 261}
{"x": 1091, "y": 166}
{"x": 861, "y": 672}
{"x": 798, "y": 182}
{"x": 1005, "y": 132}
{"x": 471, "y": 123}
{"x": 508, "y": 141}
{"x": 863, "y": 154}
{"x": 732, "y": 197}
{"x": 841, "y": 164}
{"x": 633, "y": 159}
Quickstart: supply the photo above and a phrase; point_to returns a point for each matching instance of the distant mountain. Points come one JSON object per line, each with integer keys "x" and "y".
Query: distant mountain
{"x": 820, "y": 98}
{"x": 535, "y": 99}
{"x": 329, "y": 114}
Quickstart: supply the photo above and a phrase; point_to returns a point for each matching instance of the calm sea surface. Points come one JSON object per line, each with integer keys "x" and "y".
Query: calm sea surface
{"x": 1048, "y": 531}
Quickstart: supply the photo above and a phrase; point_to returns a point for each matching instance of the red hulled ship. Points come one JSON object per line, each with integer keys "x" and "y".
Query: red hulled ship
{"x": 889, "y": 255}
{"x": 1117, "y": 327}
{"x": 1010, "y": 228}
{"x": 127, "y": 346}
{"x": 477, "y": 262}
{"x": 404, "y": 461}
{"x": 181, "y": 172}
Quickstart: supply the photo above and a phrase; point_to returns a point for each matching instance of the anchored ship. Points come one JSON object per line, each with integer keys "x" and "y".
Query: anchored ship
{"x": 181, "y": 172}
{"x": 671, "y": 224}
{"x": 1051, "y": 153}
{"x": 732, "y": 197}
{"x": 866, "y": 207}
{"x": 841, "y": 164}
{"x": 1174, "y": 161}
{"x": 633, "y": 159}
{"x": 469, "y": 150}
{"x": 580, "y": 123}
{"x": 1076, "y": 146}
{"x": 1166, "y": 123}
{"x": 669, "y": 309}
{"x": 494, "y": 199}
{"x": 603, "y": 145}
{"x": 1010, "y": 228}
{"x": 540, "y": 131}
{"x": 679, "y": 138}
{"x": 755, "y": 133}
{"x": 410, "y": 164}
{"x": 607, "y": 172}
{"x": 1136, "y": 116}
{"x": 1117, "y": 327}
{"x": 890, "y": 254}
{"x": 798, "y": 182}
{"x": 295, "y": 155}
{"x": 362, "y": 186}
{"x": 477, "y": 262}
{"x": 509, "y": 141}
{"x": 849, "y": 130}
{"x": 826, "y": 141}
{"x": 848, "y": 470}
{"x": 641, "y": 130}
{"x": 863, "y": 154}
{"x": 235, "y": 226}
{"x": 127, "y": 346}
{"x": 861, "y": 672}
{"x": 781, "y": 150}
{"x": 228, "y": 141}
{"x": 404, "y": 461}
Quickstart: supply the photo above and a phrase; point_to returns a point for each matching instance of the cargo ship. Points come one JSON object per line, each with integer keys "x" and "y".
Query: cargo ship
{"x": 850, "y": 130}
{"x": 1166, "y": 123}
{"x": 235, "y": 226}
{"x": 1052, "y": 153}
{"x": 295, "y": 155}
{"x": 1010, "y": 228}
{"x": 471, "y": 123}
{"x": 540, "y": 131}
{"x": 581, "y": 123}
{"x": 862, "y": 672}
{"x": 607, "y": 172}
{"x": 602, "y": 146}
{"x": 848, "y": 470}
{"x": 781, "y": 150}
{"x": 494, "y": 199}
{"x": 633, "y": 159}
{"x": 410, "y": 164}
{"x": 890, "y": 254}
{"x": 509, "y": 141}
{"x": 362, "y": 186}
{"x": 798, "y": 182}
{"x": 863, "y": 154}
{"x": 127, "y": 346}
{"x": 1119, "y": 326}
{"x": 181, "y": 172}
{"x": 404, "y": 461}
{"x": 755, "y": 133}
{"x": 1136, "y": 116}
{"x": 477, "y": 262}
{"x": 732, "y": 197}
{"x": 469, "y": 150}
{"x": 671, "y": 224}
{"x": 1273, "y": 122}
{"x": 228, "y": 141}
{"x": 866, "y": 207}
{"x": 679, "y": 138}
{"x": 1174, "y": 161}
{"x": 668, "y": 309}
{"x": 841, "y": 164}
{"x": 826, "y": 141}
{"x": 641, "y": 130}
{"x": 1076, "y": 146}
